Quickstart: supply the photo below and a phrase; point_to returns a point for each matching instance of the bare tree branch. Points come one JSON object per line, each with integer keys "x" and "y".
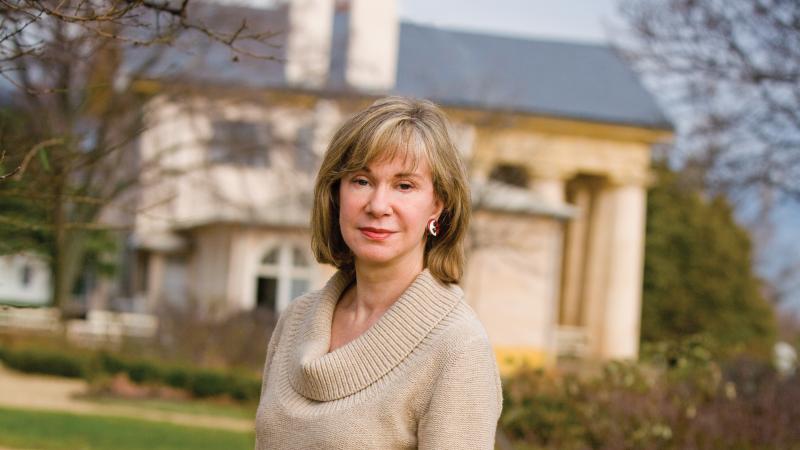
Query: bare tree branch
{"x": 71, "y": 68}
{"x": 734, "y": 70}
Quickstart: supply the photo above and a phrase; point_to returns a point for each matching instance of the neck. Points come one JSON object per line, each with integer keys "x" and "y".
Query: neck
{"x": 378, "y": 287}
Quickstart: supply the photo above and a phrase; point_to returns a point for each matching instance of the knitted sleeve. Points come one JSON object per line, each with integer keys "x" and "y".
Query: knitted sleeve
{"x": 466, "y": 402}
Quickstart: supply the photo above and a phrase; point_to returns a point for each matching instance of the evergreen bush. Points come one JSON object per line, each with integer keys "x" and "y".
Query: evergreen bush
{"x": 200, "y": 382}
{"x": 45, "y": 361}
{"x": 698, "y": 272}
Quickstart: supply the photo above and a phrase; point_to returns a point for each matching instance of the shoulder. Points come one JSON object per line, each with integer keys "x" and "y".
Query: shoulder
{"x": 462, "y": 340}
{"x": 465, "y": 391}
{"x": 461, "y": 346}
{"x": 461, "y": 330}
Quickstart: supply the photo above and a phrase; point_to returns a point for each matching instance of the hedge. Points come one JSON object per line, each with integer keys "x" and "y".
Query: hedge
{"x": 45, "y": 361}
{"x": 200, "y": 382}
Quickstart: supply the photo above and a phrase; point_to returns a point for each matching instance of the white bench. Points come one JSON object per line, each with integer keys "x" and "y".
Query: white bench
{"x": 30, "y": 319}
{"x": 111, "y": 327}
{"x": 129, "y": 324}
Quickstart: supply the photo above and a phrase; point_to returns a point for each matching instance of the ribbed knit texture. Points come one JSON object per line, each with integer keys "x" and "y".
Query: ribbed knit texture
{"x": 422, "y": 376}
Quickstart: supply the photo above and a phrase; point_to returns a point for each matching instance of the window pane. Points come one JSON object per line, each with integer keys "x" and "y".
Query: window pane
{"x": 299, "y": 258}
{"x": 266, "y": 293}
{"x": 299, "y": 287}
{"x": 271, "y": 257}
{"x": 238, "y": 142}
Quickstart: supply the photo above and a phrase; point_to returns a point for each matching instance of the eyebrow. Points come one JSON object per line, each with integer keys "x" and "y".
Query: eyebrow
{"x": 398, "y": 175}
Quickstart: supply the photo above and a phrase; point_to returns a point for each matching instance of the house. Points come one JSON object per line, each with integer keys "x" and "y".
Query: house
{"x": 24, "y": 280}
{"x": 556, "y": 136}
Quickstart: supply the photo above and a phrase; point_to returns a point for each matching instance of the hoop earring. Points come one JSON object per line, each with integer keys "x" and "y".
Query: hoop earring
{"x": 433, "y": 227}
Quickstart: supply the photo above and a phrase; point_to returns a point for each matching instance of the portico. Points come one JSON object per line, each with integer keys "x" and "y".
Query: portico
{"x": 587, "y": 194}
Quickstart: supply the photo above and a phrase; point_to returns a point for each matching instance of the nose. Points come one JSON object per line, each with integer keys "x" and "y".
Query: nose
{"x": 379, "y": 203}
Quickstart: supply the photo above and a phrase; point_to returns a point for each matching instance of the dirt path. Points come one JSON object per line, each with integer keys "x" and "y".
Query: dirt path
{"x": 43, "y": 392}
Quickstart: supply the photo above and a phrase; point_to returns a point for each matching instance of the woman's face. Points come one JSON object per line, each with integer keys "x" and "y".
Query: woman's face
{"x": 384, "y": 210}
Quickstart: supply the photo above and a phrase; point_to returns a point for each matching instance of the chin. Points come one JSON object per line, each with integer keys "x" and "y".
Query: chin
{"x": 373, "y": 258}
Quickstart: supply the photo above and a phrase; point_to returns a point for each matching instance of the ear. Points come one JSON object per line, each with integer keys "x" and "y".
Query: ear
{"x": 438, "y": 207}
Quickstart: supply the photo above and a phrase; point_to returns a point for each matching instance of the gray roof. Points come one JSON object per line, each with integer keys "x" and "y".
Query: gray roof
{"x": 582, "y": 81}
{"x": 194, "y": 57}
{"x": 453, "y": 68}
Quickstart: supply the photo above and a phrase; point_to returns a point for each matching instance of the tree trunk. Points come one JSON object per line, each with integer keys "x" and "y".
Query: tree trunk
{"x": 60, "y": 292}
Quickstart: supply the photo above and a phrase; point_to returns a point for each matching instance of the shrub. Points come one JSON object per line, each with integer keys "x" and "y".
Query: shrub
{"x": 244, "y": 388}
{"x": 680, "y": 397}
{"x": 199, "y": 382}
{"x": 145, "y": 372}
{"x": 178, "y": 377}
{"x": 109, "y": 363}
{"x": 48, "y": 362}
{"x": 193, "y": 333}
{"x": 698, "y": 272}
{"x": 207, "y": 383}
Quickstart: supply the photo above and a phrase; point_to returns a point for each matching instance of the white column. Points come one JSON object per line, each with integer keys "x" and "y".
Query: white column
{"x": 622, "y": 315}
{"x": 598, "y": 265}
{"x": 575, "y": 258}
{"x": 155, "y": 280}
{"x": 372, "y": 44}
{"x": 241, "y": 279}
{"x": 308, "y": 47}
{"x": 550, "y": 187}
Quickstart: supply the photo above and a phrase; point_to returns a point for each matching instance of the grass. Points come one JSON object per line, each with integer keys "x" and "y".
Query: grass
{"x": 201, "y": 407}
{"x": 63, "y": 431}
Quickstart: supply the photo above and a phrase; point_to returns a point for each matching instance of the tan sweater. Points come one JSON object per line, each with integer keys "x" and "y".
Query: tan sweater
{"x": 422, "y": 376}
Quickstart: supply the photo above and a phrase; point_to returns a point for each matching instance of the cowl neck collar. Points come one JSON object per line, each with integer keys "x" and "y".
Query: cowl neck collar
{"x": 319, "y": 375}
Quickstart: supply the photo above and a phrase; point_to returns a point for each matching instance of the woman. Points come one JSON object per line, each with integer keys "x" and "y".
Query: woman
{"x": 387, "y": 355}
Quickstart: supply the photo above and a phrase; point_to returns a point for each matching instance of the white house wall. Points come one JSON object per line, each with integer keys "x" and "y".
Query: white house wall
{"x": 12, "y": 288}
{"x": 512, "y": 281}
{"x": 210, "y": 265}
{"x": 196, "y": 192}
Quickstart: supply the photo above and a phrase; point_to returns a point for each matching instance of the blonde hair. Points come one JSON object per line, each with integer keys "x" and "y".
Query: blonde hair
{"x": 395, "y": 127}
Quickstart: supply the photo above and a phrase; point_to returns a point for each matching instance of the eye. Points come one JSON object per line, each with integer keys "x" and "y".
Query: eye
{"x": 405, "y": 186}
{"x": 360, "y": 181}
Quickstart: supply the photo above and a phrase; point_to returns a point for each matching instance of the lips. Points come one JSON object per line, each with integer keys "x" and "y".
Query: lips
{"x": 375, "y": 234}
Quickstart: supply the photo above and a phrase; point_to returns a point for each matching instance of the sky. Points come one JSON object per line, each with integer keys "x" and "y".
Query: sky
{"x": 573, "y": 20}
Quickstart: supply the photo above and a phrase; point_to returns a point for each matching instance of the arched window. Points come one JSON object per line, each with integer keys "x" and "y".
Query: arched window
{"x": 284, "y": 273}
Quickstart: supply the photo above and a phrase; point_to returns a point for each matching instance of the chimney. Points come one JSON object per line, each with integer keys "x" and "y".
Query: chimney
{"x": 372, "y": 45}
{"x": 309, "y": 42}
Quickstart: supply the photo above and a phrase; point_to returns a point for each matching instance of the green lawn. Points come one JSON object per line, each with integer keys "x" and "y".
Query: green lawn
{"x": 63, "y": 431}
{"x": 203, "y": 407}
